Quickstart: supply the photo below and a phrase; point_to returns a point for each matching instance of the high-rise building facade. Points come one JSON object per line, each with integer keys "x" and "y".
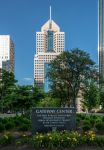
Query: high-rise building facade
{"x": 101, "y": 36}
{"x": 49, "y": 44}
{"x": 6, "y": 53}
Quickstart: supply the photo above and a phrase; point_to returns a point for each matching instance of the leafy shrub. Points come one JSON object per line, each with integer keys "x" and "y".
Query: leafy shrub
{"x": 90, "y": 136}
{"x": 1, "y": 120}
{"x": 94, "y": 117}
{"x": 17, "y": 122}
{"x": 6, "y": 139}
{"x": 26, "y": 121}
{"x": 100, "y": 126}
{"x": 98, "y": 120}
{"x": 81, "y": 116}
{"x": 78, "y": 121}
{"x": 86, "y": 127}
{"x": 5, "y": 120}
{"x": 86, "y": 122}
{"x": 2, "y": 127}
{"x": 99, "y": 141}
{"x": 92, "y": 122}
{"x": 9, "y": 125}
{"x": 48, "y": 102}
{"x": 103, "y": 118}
{"x": 24, "y": 127}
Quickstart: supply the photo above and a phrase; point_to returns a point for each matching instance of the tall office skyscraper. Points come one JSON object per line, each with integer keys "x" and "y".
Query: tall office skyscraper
{"x": 49, "y": 44}
{"x": 101, "y": 36}
{"x": 6, "y": 54}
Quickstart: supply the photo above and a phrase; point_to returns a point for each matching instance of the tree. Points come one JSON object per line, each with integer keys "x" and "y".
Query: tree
{"x": 6, "y": 86}
{"x": 91, "y": 95}
{"x": 101, "y": 88}
{"x": 67, "y": 74}
{"x": 22, "y": 99}
{"x": 25, "y": 97}
{"x": 38, "y": 94}
{"x": 102, "y": 99}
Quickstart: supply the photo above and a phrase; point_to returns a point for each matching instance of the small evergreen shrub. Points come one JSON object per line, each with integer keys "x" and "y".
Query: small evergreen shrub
{"x": 98, "y": 120}
{"x": 5, "y": 120}
{"x": 103, "y": 118}
{"x": 77, "y": 122}
{"x": 86, "y": 127}
{"x": 2, "y": 127}
{"x": 86, "y": 122}
{"x": 100, "y": 126}
{"x": 92, "y": 122}
{"x": 9, "y": 125}
{"x": 17, "y": 122}
{"x": 99, "y": 141}
{"x": 1, "y": 120}
{"x": 6, "y": 139}
{"x": 26, "y": 121}
{"x": 24, "y": 127}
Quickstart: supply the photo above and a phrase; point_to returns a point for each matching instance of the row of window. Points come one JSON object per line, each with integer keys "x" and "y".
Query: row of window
{"x": 4, "y": 57}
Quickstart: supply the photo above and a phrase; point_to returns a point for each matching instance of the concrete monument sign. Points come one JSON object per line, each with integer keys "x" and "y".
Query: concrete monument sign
{"x": 48, "y": 119}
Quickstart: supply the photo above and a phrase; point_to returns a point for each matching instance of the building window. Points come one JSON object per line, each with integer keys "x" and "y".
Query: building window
{"x": 50, "y": 40}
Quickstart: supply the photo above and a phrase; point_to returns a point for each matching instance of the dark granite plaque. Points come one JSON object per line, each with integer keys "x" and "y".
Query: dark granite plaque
{"x": 49, "y": 119}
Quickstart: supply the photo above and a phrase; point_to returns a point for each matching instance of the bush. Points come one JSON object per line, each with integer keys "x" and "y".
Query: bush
{"x": 86, "y": 127}
{"x": 81, "y": 116}
{"x": 98, "y": 120}
{"x": 86, "y": 122}
{"x": 6, "y": 139}
{"x": 99, "y": 141}
{"x": 1, "y": 120}
{"x": 92, "y": 122}
{"x": 17, "y": 122}
{"x": 24, "y": 127}
{"x": 100, "y": 126}
{"x": 77, "y": 122}
{"x": 48, "y": 102}
{"x": 5, "y": 120}
{"x": 9, "y": 125}
{"x": 26, "y": 121}
{"x": 103, "y": 118}
{"x": 2, "y": 127}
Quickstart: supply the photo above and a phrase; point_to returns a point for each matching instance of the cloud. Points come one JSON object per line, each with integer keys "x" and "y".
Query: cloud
{"x": 28, "y": 79}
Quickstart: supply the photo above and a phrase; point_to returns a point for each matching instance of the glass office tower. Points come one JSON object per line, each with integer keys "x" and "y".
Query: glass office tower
{"x": 101, "y": 36}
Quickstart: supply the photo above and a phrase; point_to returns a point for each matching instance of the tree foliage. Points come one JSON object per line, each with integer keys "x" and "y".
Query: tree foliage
{"x": 67, "y": 74}
{"x": 91, "y": 95}
{"x": 18, "y": 98}
{"x": 7, "y": 84}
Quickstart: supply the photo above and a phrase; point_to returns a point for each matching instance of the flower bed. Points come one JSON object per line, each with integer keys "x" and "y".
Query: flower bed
{"x": 54, "y": 140}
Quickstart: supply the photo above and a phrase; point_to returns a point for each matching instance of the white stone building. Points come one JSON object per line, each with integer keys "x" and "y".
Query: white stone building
{"x": 6, "y": 53}
{"x": 50, "y": 42}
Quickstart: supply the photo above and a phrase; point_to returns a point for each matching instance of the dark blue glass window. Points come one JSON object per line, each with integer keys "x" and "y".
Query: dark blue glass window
{"x": 50, "y": 40}
{"x": 46, "y": 79}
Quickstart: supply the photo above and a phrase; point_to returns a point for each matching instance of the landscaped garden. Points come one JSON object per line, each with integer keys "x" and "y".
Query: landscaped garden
{"x": 72, "y": 74}
{"x": 16, "y": 132}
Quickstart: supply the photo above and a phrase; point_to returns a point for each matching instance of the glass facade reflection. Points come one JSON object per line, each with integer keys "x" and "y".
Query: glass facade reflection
{"x": 46, "y": 79}
{"x": 50, "y": 40}
{"x": 101, "y": 37}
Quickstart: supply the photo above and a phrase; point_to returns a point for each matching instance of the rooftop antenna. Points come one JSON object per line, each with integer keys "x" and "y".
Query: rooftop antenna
{"x": 50, "y": 22}
{"x": 50, "y": 14}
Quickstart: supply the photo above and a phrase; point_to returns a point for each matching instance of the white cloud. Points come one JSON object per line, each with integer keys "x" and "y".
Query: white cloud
{"x": 28, "y": 79}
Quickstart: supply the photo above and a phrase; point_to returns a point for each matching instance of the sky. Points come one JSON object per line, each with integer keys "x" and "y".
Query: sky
{"x": 21, "y": 19}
